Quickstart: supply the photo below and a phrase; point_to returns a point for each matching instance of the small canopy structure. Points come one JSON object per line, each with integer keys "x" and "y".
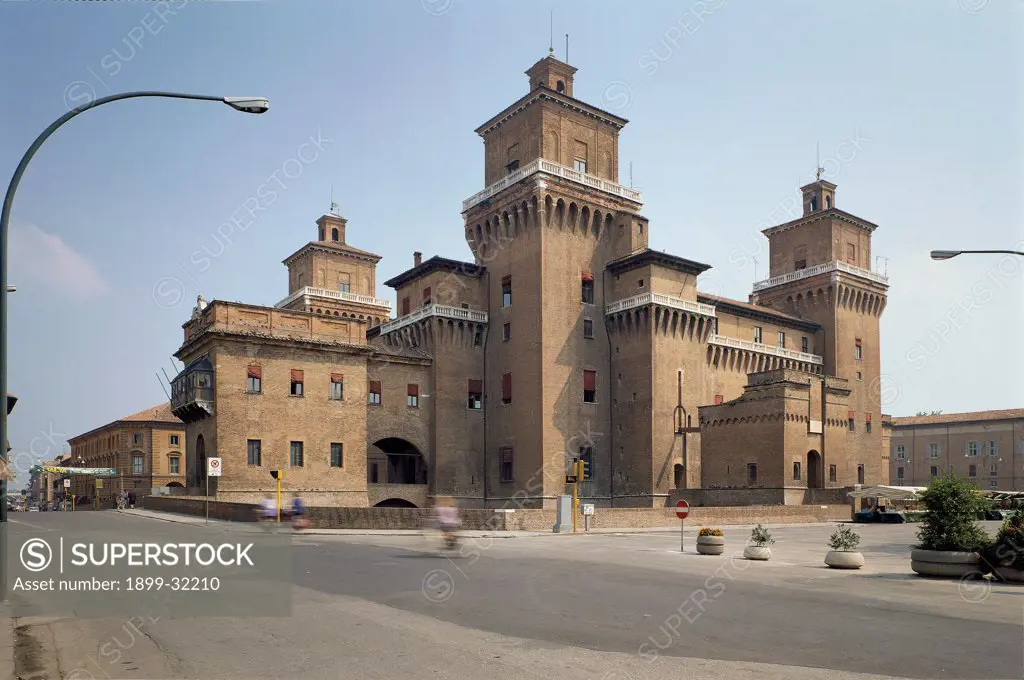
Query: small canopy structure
{"x": 892, "y": 493}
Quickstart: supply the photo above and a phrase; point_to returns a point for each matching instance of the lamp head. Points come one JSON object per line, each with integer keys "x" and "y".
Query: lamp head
{"x": 944, "y": 254}
{"x": 248, "y": 104}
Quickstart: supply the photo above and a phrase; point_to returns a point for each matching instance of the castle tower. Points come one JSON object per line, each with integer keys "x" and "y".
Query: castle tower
{"x": 327, "y": 276}
{"x": 551, "y": 216}
{"x": 821, "y": 270}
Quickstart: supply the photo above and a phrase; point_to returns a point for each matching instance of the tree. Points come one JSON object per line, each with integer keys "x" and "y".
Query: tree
{"x": 953, "y": 506}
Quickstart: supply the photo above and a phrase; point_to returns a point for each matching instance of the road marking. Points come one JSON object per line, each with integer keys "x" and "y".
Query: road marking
{"x": 27, "y": 524}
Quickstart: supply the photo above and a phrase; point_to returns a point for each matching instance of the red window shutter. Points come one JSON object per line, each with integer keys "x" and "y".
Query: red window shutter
{"x": 426, "y": 293}
{"x": 476, "y": 386}
{"x": 506, "y": 279}
{"x": 414, "y": 390}
{"x": 506, "y": 455}
{"x": 867, "y": 417}
{"x": 375, "y": 386}
{"x": 506, "y": 385}
{"x": 718, "y": 399}
{"x": 337, "y": 377}
{"x": 590, "y": 380}
{"x": 296, "y": 375}
{"x": 587, "y": 277}
{"x": 255, "y": 371}
{"x": 405, "y": 306}
{"x": 849, "y": 414}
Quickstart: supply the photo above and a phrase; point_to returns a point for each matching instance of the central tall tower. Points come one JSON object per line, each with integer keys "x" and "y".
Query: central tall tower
{"x": 551, "y": 216}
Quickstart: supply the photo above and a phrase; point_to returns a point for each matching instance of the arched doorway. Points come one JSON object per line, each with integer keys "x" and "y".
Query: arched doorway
{"x": 814, "y": 470}
{"x": 677, "y": 475}
{"x": 175, "y": 485}
{"x": 197, "y": 474}
{"x": 395, "y": 461}
{"x": 395, "y": 503}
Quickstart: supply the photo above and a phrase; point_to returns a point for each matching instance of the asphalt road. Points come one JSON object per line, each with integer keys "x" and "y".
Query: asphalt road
{"x": 607, "y": 607}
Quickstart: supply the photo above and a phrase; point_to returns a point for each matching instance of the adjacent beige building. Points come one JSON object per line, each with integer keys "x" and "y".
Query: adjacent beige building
{"x": 564, "y": 337}
{"x": 986, "y": 447}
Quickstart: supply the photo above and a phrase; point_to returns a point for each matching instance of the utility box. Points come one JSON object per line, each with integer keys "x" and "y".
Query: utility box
{"x": 563, "y": 523}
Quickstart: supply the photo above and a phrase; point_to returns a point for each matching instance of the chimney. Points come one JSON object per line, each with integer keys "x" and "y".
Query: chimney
{"x": 417, "y": 258}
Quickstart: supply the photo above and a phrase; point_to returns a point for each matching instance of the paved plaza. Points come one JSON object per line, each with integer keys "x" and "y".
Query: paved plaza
{"x": 608, "y": 606}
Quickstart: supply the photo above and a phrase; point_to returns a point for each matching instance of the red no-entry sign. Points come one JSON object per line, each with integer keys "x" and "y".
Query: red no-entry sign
{"x": 682, "y": 509}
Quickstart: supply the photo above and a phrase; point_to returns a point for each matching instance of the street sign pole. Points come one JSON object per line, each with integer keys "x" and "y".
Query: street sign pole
{"x": 682, "y": 510}
{"x": 207, "y": 498}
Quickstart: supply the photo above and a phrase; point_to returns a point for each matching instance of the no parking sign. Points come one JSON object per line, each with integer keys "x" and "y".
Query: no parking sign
{"x": 213, "y": 467}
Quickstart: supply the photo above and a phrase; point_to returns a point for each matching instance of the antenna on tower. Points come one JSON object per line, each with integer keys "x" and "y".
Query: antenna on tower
{"x": 334, "y": 206}
{"x": 551, "y": 38}
{"x": 631, "y": 174}
{"x": 755, "y": 267}
{"x": 566, "y": 48}
{"x": 817, "y": 161}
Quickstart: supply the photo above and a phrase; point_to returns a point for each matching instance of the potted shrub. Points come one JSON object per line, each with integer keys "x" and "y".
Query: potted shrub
{"x": 950, "y": 538}
{"x": 844, "y": 555}
{"x": 710, "y": 541}
{"x": 1005, "y": 557}
{"x": 758, "y": 545}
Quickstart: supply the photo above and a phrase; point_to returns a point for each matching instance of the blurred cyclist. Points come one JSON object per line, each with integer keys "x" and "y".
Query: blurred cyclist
{"x": 446, "y": 514}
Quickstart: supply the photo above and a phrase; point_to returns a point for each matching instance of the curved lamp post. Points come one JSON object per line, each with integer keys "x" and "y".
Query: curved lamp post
{"x": 243, "y": 104}
{"x": 948, "y": 254}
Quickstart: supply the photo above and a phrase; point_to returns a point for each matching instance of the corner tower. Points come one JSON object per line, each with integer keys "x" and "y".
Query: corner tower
{"x": 551, "y": 215}
{"x": 821, "y": 270}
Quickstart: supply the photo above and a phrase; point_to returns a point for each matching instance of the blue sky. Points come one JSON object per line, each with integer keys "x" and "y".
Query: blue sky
{"x": 916, "y": 106}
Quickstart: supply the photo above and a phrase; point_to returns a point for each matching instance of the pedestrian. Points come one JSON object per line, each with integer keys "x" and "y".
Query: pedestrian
{"x": 268, "y": 510}
{"x": 299, "y": 519}
{"x": 131, "y": 500}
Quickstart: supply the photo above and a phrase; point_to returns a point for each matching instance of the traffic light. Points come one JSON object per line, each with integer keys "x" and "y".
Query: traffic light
{"x": 275, "y": 473}
{"x": 585, "y": 468}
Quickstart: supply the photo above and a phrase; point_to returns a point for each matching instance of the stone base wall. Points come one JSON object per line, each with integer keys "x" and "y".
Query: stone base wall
{"x": 478, "y": 519}
{"x": 785, "y": 496}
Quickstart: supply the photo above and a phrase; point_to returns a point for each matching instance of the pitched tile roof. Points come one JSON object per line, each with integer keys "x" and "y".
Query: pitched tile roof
{"x": 160, "y": 413}
{"x": 953, "y": 418}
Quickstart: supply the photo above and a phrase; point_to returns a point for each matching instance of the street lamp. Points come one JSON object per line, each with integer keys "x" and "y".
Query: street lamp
{"x": 243, "y": 104}
{"x": 949, "y": 254}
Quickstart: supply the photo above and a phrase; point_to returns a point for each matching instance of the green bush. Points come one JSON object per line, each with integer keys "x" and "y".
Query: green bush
{"x": 760, "y": 537}
{"x": 844, "y": 538}
{"x": 952, "y": 504}
{"x": 1008, "y": 549}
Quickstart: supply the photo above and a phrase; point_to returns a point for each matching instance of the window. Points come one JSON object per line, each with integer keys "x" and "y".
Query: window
{"x": 426, "y": 296}
{"x": 137, "y": 464}
{"x": 901, "y": 452}
{"x": 828, "y": 202}
{"x": 851, "y": 254}
{"x": 506, "y": 331}
{"x": 972, "y": 448}
{"x": 374, "y": 392}
{"x": 254, "y": 380}
{"x": 587, "y": 288}
{"x": 337, "y": 459}
{"x": 345, "y": 287}
{"x": 476, "y": 394}
{"x": 506, "y": 388}
{"x": 478, "y": 337}
{"x": 757, "y": 334}
{"x": 296, "y": 383}
{"x": 337, "y": 386}
{"x": 782, "y": 339}
{"x": 174, "y": 465}
{"x": 413, "y": 396}
{"x": 800, "y": 258}
{"x": 804, "y": 344}
{"x": 405, "y": 306}
{"x": 993, "y": 470}
{"x": 993, "y": 449}
{"x": 334, "y": 234}
{"x": 814, "y": 204}
{"x": 993, "y": 483}
{"x": 751, "y": 473}
{"x": 933, "y": 450}
{"x": 506, "y": 461}
{"x": 832, "y": 473}
{"x": 859, "y": 376}
{"x": 867, "y": 422}
{"x": 254, "y": 455}
{"x": 587, "y": 458}
{"x": 506, "y": 291}
{"x": 512, "y": 167}
{"x": 796, "y": 471}
{"x": 972, "y": 470}
{"x": 373, "y": 473}
{"x": 560, "y": 86}
{"x": 640, "y": 283}
{"x": 578, "y": 164}
{"x": 850, "y": 422}
{"x": 296, "y": 454}
{"x": 588, "y": 329}
{"x": 860, "y": 474}
{"x": 590, "y": 387}
{"x": 719, "y": 399}
{"x": 136, "y": 438}
{"x": 899, "y": 473}
{"x": 174, "y": 440}
{"x": 934, "y": 471}
{"x": 858, "y": 350}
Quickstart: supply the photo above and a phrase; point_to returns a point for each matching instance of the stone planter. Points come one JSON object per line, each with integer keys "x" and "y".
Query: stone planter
{"x": 843, "y": 559}
{"x": 711, "y": 545}
{"x": 944, "y": 562}
{"x": 757, "y": 552}
{"x": 1012, "y": 575}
